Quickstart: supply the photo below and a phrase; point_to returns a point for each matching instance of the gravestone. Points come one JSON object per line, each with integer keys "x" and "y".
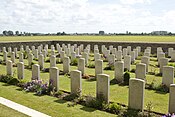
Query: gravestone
{"x": 85, "y": 56}
{"x": 102, "y": 87}
{"x": 98, "y": 67}
{"x": 54, "y": 77}
{"x": 170, "y": 50}
{"x": 13, "y": 57}
{"x": 119, "y": 55}
{"x": 171, "y": 106}
{"x": 52, "y": 61}
{"x": 20, "y": 70}
{"x": 163, "y": 62}
{"x": 66, "y": 65}
{"x": 21, "y": 57}
{"x": 76, "y": 82}
{"x": 9, "y": 68}
{"x": 127, "y": 62}
{"x": 81, "y": 65}
{"x": 35, "y": 72}
{"x": 145, "y": 60}
{"x": 168, "y": 75}
{"x": 119, "y": 70}
{"x": 41, "y": 61}
{"x": 5, "y": 56}
{"x": 136, "y": 94}
{"x": 30, "y": 59}
{"x": 141, "y": 71}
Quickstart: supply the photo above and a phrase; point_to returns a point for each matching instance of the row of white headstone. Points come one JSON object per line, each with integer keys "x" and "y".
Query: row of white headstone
{"x": 141, "y": 70}
{"x": 136, "y": 85}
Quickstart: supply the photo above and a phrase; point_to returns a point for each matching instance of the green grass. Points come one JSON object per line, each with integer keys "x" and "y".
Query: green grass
{"x": 117, "y": 93}
{"x": 47, "y": 104}
{"x": 92, "y": 38}
{"x": 8, "y": 112}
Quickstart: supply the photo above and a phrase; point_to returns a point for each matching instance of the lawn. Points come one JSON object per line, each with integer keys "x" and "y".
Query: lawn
{"x": 47, "y": 104}
{"x": 8, "y": 112}
{"x": 91, "y": 38}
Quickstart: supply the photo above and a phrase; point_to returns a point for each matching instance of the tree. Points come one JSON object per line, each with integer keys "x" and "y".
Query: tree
{"x": 17, "y": 33}
{"x": 10, "y": 33}
{"x": 5, "y": 33}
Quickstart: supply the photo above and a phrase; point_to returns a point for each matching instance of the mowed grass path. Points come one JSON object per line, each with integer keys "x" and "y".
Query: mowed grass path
{"x": 91, "y": 38}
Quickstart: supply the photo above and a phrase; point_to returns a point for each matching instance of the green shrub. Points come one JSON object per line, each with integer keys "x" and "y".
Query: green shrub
{"x": 74, "y": 62}
{"x": 109, "y": 68}
{"x": 94, "y": 103}
{"x": 126, "y": 78}
{"x": 9, "y": 79}
{"x": 133, "y": 70}
{"x": 13, "y": 81}
{"x": 70, "y": 97}
{"x": 35, "y": 59}
{"x": 91, "y": 65}
{"x": 113, "y": 108}
{"x": 125, "y": 69}
{"x": 25, "y": 55}
{"x": 162, "y": 88}
{"x": 45, "y": 70}
{"x": 47, "y": 60}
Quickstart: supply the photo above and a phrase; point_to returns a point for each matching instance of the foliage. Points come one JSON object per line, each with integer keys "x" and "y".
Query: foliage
{"x": 110, "y": 66}
{"x": 38, "y": 87}
{"x": 9, "y": 79}
{"x": 73, "y": 96}
{"x": 126, "y": 78}
{"x": 74, "y": 62}
{"x": 133, "y": 70}
{"x": 91, "y": 65}
{"x": 45, "y": 70}
{"x": 70, "y": 97}
{"x": 94, "y": 103}
{"x": 25, "y": 55}
{"x": 162, "y": 88}
{"x": 29, "y": 66}
{"x": 47, "y": 60}
{"x": 158, "y": 87}
{"x": 149, "y": 107}
{"x": 113, "y": 108}
{"x": 35, "y": 59}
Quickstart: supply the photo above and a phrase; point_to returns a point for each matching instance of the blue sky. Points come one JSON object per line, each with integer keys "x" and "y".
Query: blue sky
{"x": 50, "y": 16}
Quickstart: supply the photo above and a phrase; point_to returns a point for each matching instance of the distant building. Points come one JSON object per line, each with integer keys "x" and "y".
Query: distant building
{"x": 101, "y": 32}
{"x": 127, "y": 32}
{"x": 159, "y": 33}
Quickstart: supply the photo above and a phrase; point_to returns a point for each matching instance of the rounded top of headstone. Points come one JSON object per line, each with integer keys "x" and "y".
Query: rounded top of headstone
{"x": 141, "y": 64}
{"x": 106, "y": 75}
{"x": 172, "y": 85}
{"x": 136, "y": 80}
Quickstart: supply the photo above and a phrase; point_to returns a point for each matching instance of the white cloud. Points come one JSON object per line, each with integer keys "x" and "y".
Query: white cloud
{"x": 81, "y": 16}
{"x": 131, "y": 2}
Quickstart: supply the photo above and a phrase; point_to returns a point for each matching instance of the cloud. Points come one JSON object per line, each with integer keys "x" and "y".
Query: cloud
{"x": 81, "y": 16}
{"x": 131, "y": 2}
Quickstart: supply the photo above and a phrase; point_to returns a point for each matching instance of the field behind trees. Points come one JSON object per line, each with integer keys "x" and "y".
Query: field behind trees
{"x": 91, "y": 38}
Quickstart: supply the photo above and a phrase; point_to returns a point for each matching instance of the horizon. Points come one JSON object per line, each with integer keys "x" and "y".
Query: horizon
{"x": 87, "y": 16}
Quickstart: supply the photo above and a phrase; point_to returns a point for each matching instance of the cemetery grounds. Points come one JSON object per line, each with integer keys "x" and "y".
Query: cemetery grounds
{"x": 57, "y": 107}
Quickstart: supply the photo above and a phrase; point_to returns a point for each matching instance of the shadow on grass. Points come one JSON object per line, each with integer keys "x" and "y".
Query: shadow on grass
{"x": 60, "y": 101}
{"x": 6, "y": 84}
{"x": 115, "y": 82}
{"x": 158, "y": 90}
{"x": 19, "y": 89}
{"x": 91, "y": 79}
{"x": 88, "y": 109}
{"x": 161, "y": 92}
